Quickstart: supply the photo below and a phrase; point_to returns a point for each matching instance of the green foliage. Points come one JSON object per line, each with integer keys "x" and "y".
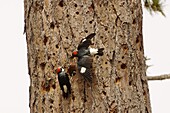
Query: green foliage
{"x": 154, "y": 6}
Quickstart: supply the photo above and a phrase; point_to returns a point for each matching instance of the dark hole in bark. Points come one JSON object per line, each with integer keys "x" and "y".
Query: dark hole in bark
{"x": 85, "y": 100}
{"x": 43, "y": 100}
{"x": 77, "y": 12}
{"x": 51, "y": 101}
{"x": 51, "y": 107}
{"x": 146, "y": 110}
{"x": 106, "y": 29}
{"x": 104, "y": 92}
{"x": 137, "y": 40}
{"x": 56, "y": 46}
{"x": 144, "y": 93}
{"x": 75, "y": 5}
{"x": 90, "y": 22}
{"x": 97, "y": 56}
{"x": 66, "y": 37}
{"x": 61, "y": 3}
{"x": 92, "y": 5}
{"x": 118, "y": 79}
{"x": 123, "y": 57}
{"x": 134, "y": 21}
{"x": 123, "y": 66}
{"x": 52, "y": 25}
{"x": 73, "y": 97}
{"x": 105, "y": 62}
{"x": 42, "y": 65}
{"x": 67, "y": 15}
{"x": 86, "y": 31}
{"x": 49, "y": 57}
{"x": 45, "y": 39}
{"x": 101, "y": 36}
{"x": 54, "y": 54}
{"x": 130, "y": 83}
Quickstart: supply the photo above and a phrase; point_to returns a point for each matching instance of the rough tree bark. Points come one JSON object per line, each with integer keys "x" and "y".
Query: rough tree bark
{"x": 53, "y": 30}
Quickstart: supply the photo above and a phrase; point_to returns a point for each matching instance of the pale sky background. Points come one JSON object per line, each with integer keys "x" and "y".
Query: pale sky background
{"x": 14, "y": 82}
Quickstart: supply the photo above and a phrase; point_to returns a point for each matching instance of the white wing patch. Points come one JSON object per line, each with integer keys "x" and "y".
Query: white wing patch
{"x": 83, "y": 40}
{"x": 65, "y": 88}
{"x": 93, "y": 51}
{"x": 83, "y": 70}
{"x": 62, "y": 69}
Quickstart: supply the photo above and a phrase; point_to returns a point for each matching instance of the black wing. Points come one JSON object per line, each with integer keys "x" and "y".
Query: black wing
{"x": 85, "y": 63}
{"x": 86, "y": 42}
{"x": 68, "y": 83}
{"x": 63, "y": 79}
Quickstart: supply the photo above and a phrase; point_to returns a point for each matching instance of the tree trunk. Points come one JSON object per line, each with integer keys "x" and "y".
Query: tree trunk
{"x": 54, "y": 29}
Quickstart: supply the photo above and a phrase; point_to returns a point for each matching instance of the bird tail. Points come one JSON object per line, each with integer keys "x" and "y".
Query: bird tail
{"x": 65, "y": 88}
{"x": 100, "y": 52}
{"x": 66, "y": 91}
{"x": 88, "y": 75}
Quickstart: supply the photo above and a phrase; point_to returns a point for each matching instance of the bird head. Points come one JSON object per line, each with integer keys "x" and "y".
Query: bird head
{"x": 74, "y": 54}
{"x": 59, "y": 69}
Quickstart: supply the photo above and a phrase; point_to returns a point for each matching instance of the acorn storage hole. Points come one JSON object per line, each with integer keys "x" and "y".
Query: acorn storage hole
{"x": 56, "y": 46}
{"x": 106, "y": 29}
{"x": 52, "y": 25}
{"x": 77, "y": 12}
{"x": 51, "y": 100}
{"x": 45, "y": 39}
{"x": 42, "y": 65}
{"x": 123, "y": 66}
{"x": 67, "y": 15}
{"x": 91, "y": 22}
{"x": 86, "y": 31}
{"x": 75, "y": 5}
{"x": 104, "y": 92}
{"x": 61, "y": 3}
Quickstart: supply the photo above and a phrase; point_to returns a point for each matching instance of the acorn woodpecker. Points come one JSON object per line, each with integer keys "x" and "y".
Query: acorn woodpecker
{"x": 84, "y": 65}
{"x": 84, "y": 49}
{"x": 64, "y": 82}
{"x": 89, "y": 51}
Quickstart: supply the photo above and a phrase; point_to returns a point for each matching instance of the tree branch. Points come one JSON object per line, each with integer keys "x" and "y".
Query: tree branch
{"x": 160, "y": 77}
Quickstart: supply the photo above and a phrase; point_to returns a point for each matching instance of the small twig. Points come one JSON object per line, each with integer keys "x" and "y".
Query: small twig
{"x": 160, "y": 77}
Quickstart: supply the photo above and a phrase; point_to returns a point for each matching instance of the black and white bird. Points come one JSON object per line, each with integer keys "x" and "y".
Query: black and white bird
{"x": 84, "y": 54}
{"x": 64, "y": 82}
{"x": 89, "y": 51}
{"x": 84, "y": 49}
{"x": 84, "y": 65}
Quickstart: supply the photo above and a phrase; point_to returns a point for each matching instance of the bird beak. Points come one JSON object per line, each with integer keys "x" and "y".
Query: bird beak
{"x": 71, "y": 57}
